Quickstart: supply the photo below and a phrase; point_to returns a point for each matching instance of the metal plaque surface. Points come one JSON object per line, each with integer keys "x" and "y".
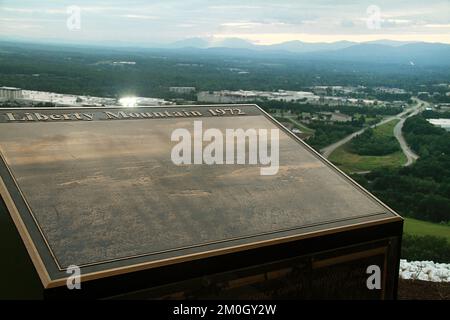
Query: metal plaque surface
{"x": 97, "y": 188}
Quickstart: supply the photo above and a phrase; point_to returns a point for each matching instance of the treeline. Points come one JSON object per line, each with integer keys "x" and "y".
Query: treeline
{"x": 421, "y": 190}
{"x": 385, "y": 96}
{"x": 417, "y": 248}
{"x": 297, "y": 108}
{"x": 442, "y": 98}
{"x": 370, "y": 144}
{"x": 431, "y": 143}
{"x": 431, "y": 114}
{"x": 91, "y": 71}
{"x": 328, "y": 133}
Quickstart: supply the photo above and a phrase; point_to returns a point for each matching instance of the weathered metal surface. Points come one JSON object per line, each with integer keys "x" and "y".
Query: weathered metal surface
{"x": 102, "y": 190}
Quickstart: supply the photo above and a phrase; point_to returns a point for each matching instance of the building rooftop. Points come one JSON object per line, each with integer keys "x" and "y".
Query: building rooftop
{"x": 9, "y": 88}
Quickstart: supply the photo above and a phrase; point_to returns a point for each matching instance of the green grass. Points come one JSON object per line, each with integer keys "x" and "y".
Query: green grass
{"x": 423, "y": 228}
{"x": 351, "y": 162}
{"x": 372, "y": 119}
{"x": 387, "y": 129}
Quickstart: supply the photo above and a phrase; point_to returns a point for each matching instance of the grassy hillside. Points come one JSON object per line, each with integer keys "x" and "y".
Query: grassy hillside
{"x": 423, "y": 228}
{"x": 352, "y": 162}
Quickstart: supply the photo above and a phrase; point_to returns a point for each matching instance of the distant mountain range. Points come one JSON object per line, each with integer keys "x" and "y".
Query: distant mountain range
{"x": 379, "y": 51}
{"x": 296, "y": 46}
{"x": 382, "y": 51}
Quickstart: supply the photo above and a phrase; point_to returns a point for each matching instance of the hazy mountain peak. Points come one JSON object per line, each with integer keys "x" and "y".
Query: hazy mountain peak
{"x": 237, "y": 43}
{"x": 386, "y": 51}
{"x": 391, "y": 43}
{"x": 190, "y": 43}
{"x": 299, "y": 46}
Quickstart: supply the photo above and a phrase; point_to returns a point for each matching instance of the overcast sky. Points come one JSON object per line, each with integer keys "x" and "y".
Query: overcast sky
{"x": 262, "y": 22}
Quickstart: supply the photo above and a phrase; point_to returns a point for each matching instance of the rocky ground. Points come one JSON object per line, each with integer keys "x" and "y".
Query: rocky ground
{"x": 424, "y": 280}
{"x": 423, "y": 290}
{"x": 424, "y": 270}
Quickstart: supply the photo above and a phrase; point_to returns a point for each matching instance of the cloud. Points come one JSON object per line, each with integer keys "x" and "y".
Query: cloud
{"x": 240, "y": 24}
{"x": 347, "y": 23}
{"x": 185, "y": 25}
{"x": 234, "y": 7}
{"x": 437, "y": 25}
{"x": 33, "y": 10}
{"x": 249, "y": 25}
{"x": 24, "y": 20}
{"x": 22, "y": 26}
{"x": 389, "y": 23}
{"x": 173, "y": 20}
{"x": 138, "y": 16}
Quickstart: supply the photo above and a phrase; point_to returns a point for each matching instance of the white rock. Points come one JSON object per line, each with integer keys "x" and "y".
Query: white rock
{"x": 424, "y": 270}
{"x": 423, "y": 276}
{"x": 403, "y": 265}
{"x": 413, "y": 268}
{"x": 427, "y": 269}
{"x": 406, "y": 275}
{"x": 441, "y": 273}
{"x": 435, "y": 279}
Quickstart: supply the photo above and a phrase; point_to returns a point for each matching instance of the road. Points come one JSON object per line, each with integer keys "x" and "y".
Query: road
{"x": 328, "y": 150}
{"x": 411, "y": 156}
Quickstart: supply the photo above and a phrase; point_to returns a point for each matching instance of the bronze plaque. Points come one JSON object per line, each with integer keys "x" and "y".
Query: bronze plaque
{"x": 97, "y": 188}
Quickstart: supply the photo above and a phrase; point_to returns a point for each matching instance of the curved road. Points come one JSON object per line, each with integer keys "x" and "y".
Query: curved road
{"x": 410, "y": 155}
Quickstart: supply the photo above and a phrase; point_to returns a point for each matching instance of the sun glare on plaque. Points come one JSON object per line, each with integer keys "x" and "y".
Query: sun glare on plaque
{"x": 128, "y": 101}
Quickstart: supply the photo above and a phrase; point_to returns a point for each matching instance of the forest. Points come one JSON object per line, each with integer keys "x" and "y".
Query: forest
{"x": 369, "y": 144}
{"x": 421, "y": 190}
{"x": 92, "y": 71}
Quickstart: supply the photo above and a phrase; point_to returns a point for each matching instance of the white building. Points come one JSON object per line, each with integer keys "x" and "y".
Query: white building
{"x": 443, "y": 123}
{"x": 226, "y": 96}
{"x": 336, "y": 116}
{"x": 10, "y": 93}
{"x": 292, "y": 96}
{"x": 320, "y": 90}
{"x": 390, "y": 90}
{"x": 182, "y": 90}
{"x": 145, "y": 101}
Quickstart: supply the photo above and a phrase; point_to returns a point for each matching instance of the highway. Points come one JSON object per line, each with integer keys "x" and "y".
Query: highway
{"x": 410, "y": 155}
